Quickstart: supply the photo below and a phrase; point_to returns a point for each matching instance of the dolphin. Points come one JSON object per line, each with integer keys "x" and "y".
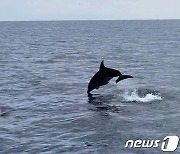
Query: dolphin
{"x": 103, "y": 76}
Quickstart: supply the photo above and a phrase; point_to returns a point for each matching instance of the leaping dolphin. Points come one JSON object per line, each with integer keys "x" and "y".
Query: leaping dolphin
{"x": 103, "y": 76}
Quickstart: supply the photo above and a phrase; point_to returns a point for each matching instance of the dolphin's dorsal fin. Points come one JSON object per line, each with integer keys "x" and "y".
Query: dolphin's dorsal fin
{"x": 102, "y": 65}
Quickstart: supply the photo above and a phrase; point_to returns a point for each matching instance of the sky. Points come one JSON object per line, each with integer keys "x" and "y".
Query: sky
{"x": 33, "y": 10}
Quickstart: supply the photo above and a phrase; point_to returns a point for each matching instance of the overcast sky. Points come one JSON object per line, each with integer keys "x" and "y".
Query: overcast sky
{"x": 88, "y": 9}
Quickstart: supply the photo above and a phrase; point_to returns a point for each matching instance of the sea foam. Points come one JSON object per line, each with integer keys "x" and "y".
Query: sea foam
{"x": 133, "y": 96}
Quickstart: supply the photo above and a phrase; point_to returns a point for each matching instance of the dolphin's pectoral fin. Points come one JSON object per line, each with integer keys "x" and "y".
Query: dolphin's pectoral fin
{"x": 105, "y": 81}
{"x": 122, "y": 77}
{"x": 97, "y": 87}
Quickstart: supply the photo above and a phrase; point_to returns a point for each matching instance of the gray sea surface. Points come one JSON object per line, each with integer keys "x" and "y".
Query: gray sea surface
{"x": 45, "y": 68}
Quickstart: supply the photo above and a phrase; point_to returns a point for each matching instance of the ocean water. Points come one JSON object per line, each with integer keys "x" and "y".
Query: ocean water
{"x": 45, "y": 68}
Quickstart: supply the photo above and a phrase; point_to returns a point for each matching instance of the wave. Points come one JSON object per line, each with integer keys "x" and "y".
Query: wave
{"x": 146, "y": 97}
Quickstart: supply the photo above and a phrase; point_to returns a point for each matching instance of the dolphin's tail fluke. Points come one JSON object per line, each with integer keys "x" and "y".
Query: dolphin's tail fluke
{"x": 122, "y": 77}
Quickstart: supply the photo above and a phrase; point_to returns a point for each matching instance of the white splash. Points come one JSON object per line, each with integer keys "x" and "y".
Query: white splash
{"x": 133, "y": 96}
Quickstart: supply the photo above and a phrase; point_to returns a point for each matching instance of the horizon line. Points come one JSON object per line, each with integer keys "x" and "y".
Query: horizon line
{"x": 87, "y": 20}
